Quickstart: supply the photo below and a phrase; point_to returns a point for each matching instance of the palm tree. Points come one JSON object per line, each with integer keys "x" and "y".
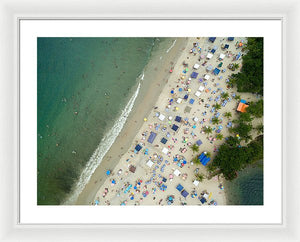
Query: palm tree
{"x": 210, "y": 168}
{"x": 196, "y": 160}
{"x": 207, "y": 130}
{"x": 217, "y": 106}
{"x": 225, "y": 95}
{"x": 199, "y": 177}
{"x": 228, "y": 114}
{"x": 235, "y": 66}
{"x": 215, "y": 120}
{"x": 237, "y": 97}
{"x": 219, "y": 136}
{"x": 195, "y": 148}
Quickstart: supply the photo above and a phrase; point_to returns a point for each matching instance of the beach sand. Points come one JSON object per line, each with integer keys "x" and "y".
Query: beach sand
{"x": 114, "y": 189}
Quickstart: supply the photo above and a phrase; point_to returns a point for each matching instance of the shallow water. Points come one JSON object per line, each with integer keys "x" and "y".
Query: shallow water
{"x": 83, "y": 86}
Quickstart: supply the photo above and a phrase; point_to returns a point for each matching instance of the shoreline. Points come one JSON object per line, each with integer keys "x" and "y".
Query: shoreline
{"x": 142, "y": 108}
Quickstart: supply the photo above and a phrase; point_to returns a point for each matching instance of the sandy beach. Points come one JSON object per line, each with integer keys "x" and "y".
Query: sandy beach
{"x": 152, "y": 175}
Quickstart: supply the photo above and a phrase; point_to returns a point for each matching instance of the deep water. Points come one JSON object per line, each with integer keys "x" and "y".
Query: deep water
{"x": 83, "y": 85}
{"x": 247, "y": 188}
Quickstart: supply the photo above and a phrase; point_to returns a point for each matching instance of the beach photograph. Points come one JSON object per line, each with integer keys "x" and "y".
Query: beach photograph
{"x": 158, "y": 121}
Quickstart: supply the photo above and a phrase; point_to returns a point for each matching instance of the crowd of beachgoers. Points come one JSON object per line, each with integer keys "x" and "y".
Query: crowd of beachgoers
{"x": 158, "y": 169}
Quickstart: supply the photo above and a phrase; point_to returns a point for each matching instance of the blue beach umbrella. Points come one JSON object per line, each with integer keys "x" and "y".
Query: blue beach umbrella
{"x": 108, "y": 172}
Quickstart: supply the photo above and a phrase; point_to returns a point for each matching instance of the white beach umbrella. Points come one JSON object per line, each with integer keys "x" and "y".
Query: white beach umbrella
{"x": 196, "y": 66}
{"x": 209, "y": 55}
{"x": 201, "y": 88}
{"x": 161, "y": 117}
{"x": 150, "y": 163}
{"x": 206, "y": 77}
{"x": 221, "y": 56}
{"x": 165, "y": 150}
{"x": 198, "y": 93}
{"x": 177, "y": 172}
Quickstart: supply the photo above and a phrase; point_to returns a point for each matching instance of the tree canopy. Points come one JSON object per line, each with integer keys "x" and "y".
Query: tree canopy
{"x": 231, "y": 159}
{"x": 256, "y": 108}
{"x": 250, "y": 78}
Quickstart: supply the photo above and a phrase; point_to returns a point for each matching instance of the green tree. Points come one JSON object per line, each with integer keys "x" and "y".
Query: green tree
{"x": 231, "y": 159}
{"x": 217, "y": 106}
{"x": 237, "y": 97}
{"x": 250, "y": 77}
{"x": 208, "y": 154}
{"x": 195, "y": 148}
{"x": 199, "y": 177}
{"x": 256, "y": 108}
{"x": 245, "y": 117}
{"x": 233, "y": 141}
{"x": 235, "y": 66}
{"x": 242, "y": 129}
{"x": 219, "y": 136}
{"x": 196, "y": 160}
{"x": 225, "y": 95}
{"x": 215, "y": 120}
{"x": 208, "y": 130}
{"x": 228, "y": 115}
{"x": 211, "y": 168}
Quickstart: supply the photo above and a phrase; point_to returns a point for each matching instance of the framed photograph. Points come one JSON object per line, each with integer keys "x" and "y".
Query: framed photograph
{"x": 125, "y": 124}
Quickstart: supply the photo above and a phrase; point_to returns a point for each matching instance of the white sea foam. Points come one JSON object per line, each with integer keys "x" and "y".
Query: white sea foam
{"x": 171, "y": 46}
{"x": 102, "y": 149}
{"x": 142, "y": 76}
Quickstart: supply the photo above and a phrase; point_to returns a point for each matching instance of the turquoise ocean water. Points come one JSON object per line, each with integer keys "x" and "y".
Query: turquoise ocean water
{"x": 247, "y": 188}
{"x": 83, "y": 86}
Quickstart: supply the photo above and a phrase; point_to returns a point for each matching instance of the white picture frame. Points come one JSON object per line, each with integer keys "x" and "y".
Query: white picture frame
{"x": 11, "y": 12}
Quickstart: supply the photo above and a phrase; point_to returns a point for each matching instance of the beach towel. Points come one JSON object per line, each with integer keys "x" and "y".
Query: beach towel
{"x": 174, "y": 127}
{"x": 184, "y": 193}
{"x": 194, "y": 75}
{"x": 164, "y": 140}
{"x": 178, "y": 119}
{"x": 179, "y": 187}
{"x": 192, "y": 101}
{"x": 138, "y": 147}
{"x": 151, "y": 137}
